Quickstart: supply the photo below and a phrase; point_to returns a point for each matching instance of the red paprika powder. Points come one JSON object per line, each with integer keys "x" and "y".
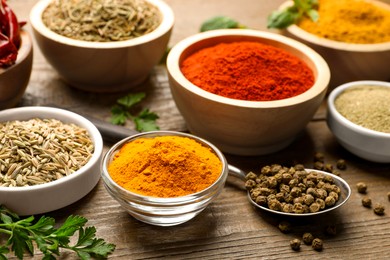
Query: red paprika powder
{"x": 248, "y": 71}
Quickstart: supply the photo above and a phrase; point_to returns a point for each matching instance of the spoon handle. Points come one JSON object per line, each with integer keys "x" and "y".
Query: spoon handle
{"x": 236, "y": 172}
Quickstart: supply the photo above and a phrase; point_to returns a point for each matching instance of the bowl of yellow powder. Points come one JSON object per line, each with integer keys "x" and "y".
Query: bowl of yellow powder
{"x": 164, "y": 178}
{"x": 353, "y": 36}
{"x": 359, "y": 117}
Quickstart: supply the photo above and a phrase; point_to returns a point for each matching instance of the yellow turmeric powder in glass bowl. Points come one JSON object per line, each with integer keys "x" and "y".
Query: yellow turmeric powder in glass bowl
{"x": 164, "y": 178}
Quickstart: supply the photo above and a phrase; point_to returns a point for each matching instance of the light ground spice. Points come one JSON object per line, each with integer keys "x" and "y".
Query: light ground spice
{"x": 367, "y": 106}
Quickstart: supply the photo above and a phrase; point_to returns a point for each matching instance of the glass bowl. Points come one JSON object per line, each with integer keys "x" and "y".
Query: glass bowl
{"x": 163, "y": 211}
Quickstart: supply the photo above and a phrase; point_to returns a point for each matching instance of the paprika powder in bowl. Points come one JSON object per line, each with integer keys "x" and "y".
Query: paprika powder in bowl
{"x": 263, "y": 90}
{"x": 359, "y": 117}
{"x": 164, "y": 178}
{"x": 95, "y": 57}
{"x": 358, "y": 48}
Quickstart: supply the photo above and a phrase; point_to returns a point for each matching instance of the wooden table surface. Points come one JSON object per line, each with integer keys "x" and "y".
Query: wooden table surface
{"x": 230, "y": 227}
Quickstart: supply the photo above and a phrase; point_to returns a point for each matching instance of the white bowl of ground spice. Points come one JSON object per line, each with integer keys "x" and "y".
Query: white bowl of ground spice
{"x": 248, "y": 92}
{"x": 102, "y": 46}
{"x": 49, "y": 158}
{"x": 353, "y": 36}
{"x": 164, "y": 178}
{"x": 359, "y": 117}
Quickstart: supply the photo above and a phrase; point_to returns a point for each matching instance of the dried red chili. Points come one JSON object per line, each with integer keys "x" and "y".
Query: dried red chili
{"x": 248, "y": 71}
{"x": 9, "y": 35}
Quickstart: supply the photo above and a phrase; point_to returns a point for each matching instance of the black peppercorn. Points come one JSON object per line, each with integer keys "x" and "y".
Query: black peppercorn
{"x": 331, "y": 230}
{"x": 366, "y": 202}
{"x": 379, "y": 209}
{"x": 295, "y": 244}
{"x": 284, "y": 226}
{"x": 319, "y": 157}
{"x": 361, "y": 187}
{"x": 341, "y": 164}
{"x": 307, "y": 238}
{"x": 317, "y": 244}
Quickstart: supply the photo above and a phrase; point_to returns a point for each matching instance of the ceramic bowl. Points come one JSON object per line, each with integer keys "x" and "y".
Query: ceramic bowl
{"x": 163, "y": 211}
{"x": 103, "y": 66}
{"x": 365, "y": 143}
{"x": 54, "y": 195}
{"x": 238, "y": 126}
{"x": 14, "y": 79}
{"x": 347, "y": 61}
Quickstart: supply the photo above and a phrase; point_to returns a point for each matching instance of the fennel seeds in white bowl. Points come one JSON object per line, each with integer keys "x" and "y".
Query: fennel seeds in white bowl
{"x": 45, "y": 151}
{"x": 39, "y": 151}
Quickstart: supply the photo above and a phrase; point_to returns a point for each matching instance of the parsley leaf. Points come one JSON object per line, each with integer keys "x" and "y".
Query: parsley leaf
{"x": 121, "y": 111}
{"x": 146, "y": 121}
{"x": 220, "y": 22}
{"x": 283, "y": 18}
{"x": 22, "y": 233}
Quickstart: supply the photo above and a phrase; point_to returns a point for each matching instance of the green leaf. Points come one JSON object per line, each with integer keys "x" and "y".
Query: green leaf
{"x": 146, "y": 121}
{"x": 22, "y": 234}
{"x": 5, "y": 218}
{"x": 118, "y": 115}
{"x": 131, "y": 99}
{"x": 220, "y": 22}
{"x": 313, "y": 14}
{"x": 71, "y": 225}
{"x": 45, "y": 225}
{"x": 281, "y": 19}
{"x": 86, "y": 236}
{"x": 18, "y": 242}
{"x": 3, "y": 250}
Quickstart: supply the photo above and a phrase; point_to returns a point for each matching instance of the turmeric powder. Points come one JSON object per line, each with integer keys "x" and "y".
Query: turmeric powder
{"x": 165, "y": 166}
{"x": 350, "y": 21}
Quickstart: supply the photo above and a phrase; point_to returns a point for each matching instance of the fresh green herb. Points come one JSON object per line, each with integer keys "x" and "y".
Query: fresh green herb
{"x": 220, "y": 22}
{"x": 22, "y": 233}
{"x": 144, "y": 121}
{"x": 283, "y": 18}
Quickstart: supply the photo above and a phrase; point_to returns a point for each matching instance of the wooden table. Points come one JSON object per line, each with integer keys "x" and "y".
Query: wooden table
{"x": 230, "y": 227}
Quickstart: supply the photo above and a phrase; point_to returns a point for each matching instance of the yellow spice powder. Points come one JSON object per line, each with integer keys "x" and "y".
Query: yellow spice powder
{"x": 165, "y": 166}
{"x": 350, "y": 21}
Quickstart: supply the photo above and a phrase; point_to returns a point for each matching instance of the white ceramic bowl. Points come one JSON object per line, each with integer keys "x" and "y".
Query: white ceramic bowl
{"x": 54, "y": 195}
{"x": 14, "y": 79}
{"x": 347, "y": 61}
{"x": 365, "y": 143}
{"x": 103, "y": 66}
{"x": 238, "y": 126}
{"x": 163, "y": 211}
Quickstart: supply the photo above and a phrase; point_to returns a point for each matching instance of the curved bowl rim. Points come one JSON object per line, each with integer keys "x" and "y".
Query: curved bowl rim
{"x": 344, "y": 121}
{"x": 353, "y": 47}
{"x": 164, "y": 27}
{"x": 171, "y": 201}
{"x": 319, "y": 86}
{"x": 73, "y": 117}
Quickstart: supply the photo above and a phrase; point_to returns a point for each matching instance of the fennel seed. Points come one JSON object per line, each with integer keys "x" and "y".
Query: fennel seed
{"x": 38, "y": 151}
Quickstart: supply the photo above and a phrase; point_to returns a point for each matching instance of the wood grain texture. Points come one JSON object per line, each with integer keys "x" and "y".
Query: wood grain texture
{"x": 230, "y": 227}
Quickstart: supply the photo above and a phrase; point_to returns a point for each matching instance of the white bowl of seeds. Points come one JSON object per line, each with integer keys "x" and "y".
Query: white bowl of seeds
{"x": 359, "y": 117}
{"x": 49, "y": 158}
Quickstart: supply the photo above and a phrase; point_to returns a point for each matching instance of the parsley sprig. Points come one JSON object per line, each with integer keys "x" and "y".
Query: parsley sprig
{"x": 145, "y": 121}
{"x": 24, "y": 232}
{"x": 220, "y": 22}
{"x": 281, "y": 19}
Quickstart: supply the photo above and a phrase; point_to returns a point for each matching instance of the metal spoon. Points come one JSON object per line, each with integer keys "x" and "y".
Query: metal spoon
{"x": 343, "y": 197}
